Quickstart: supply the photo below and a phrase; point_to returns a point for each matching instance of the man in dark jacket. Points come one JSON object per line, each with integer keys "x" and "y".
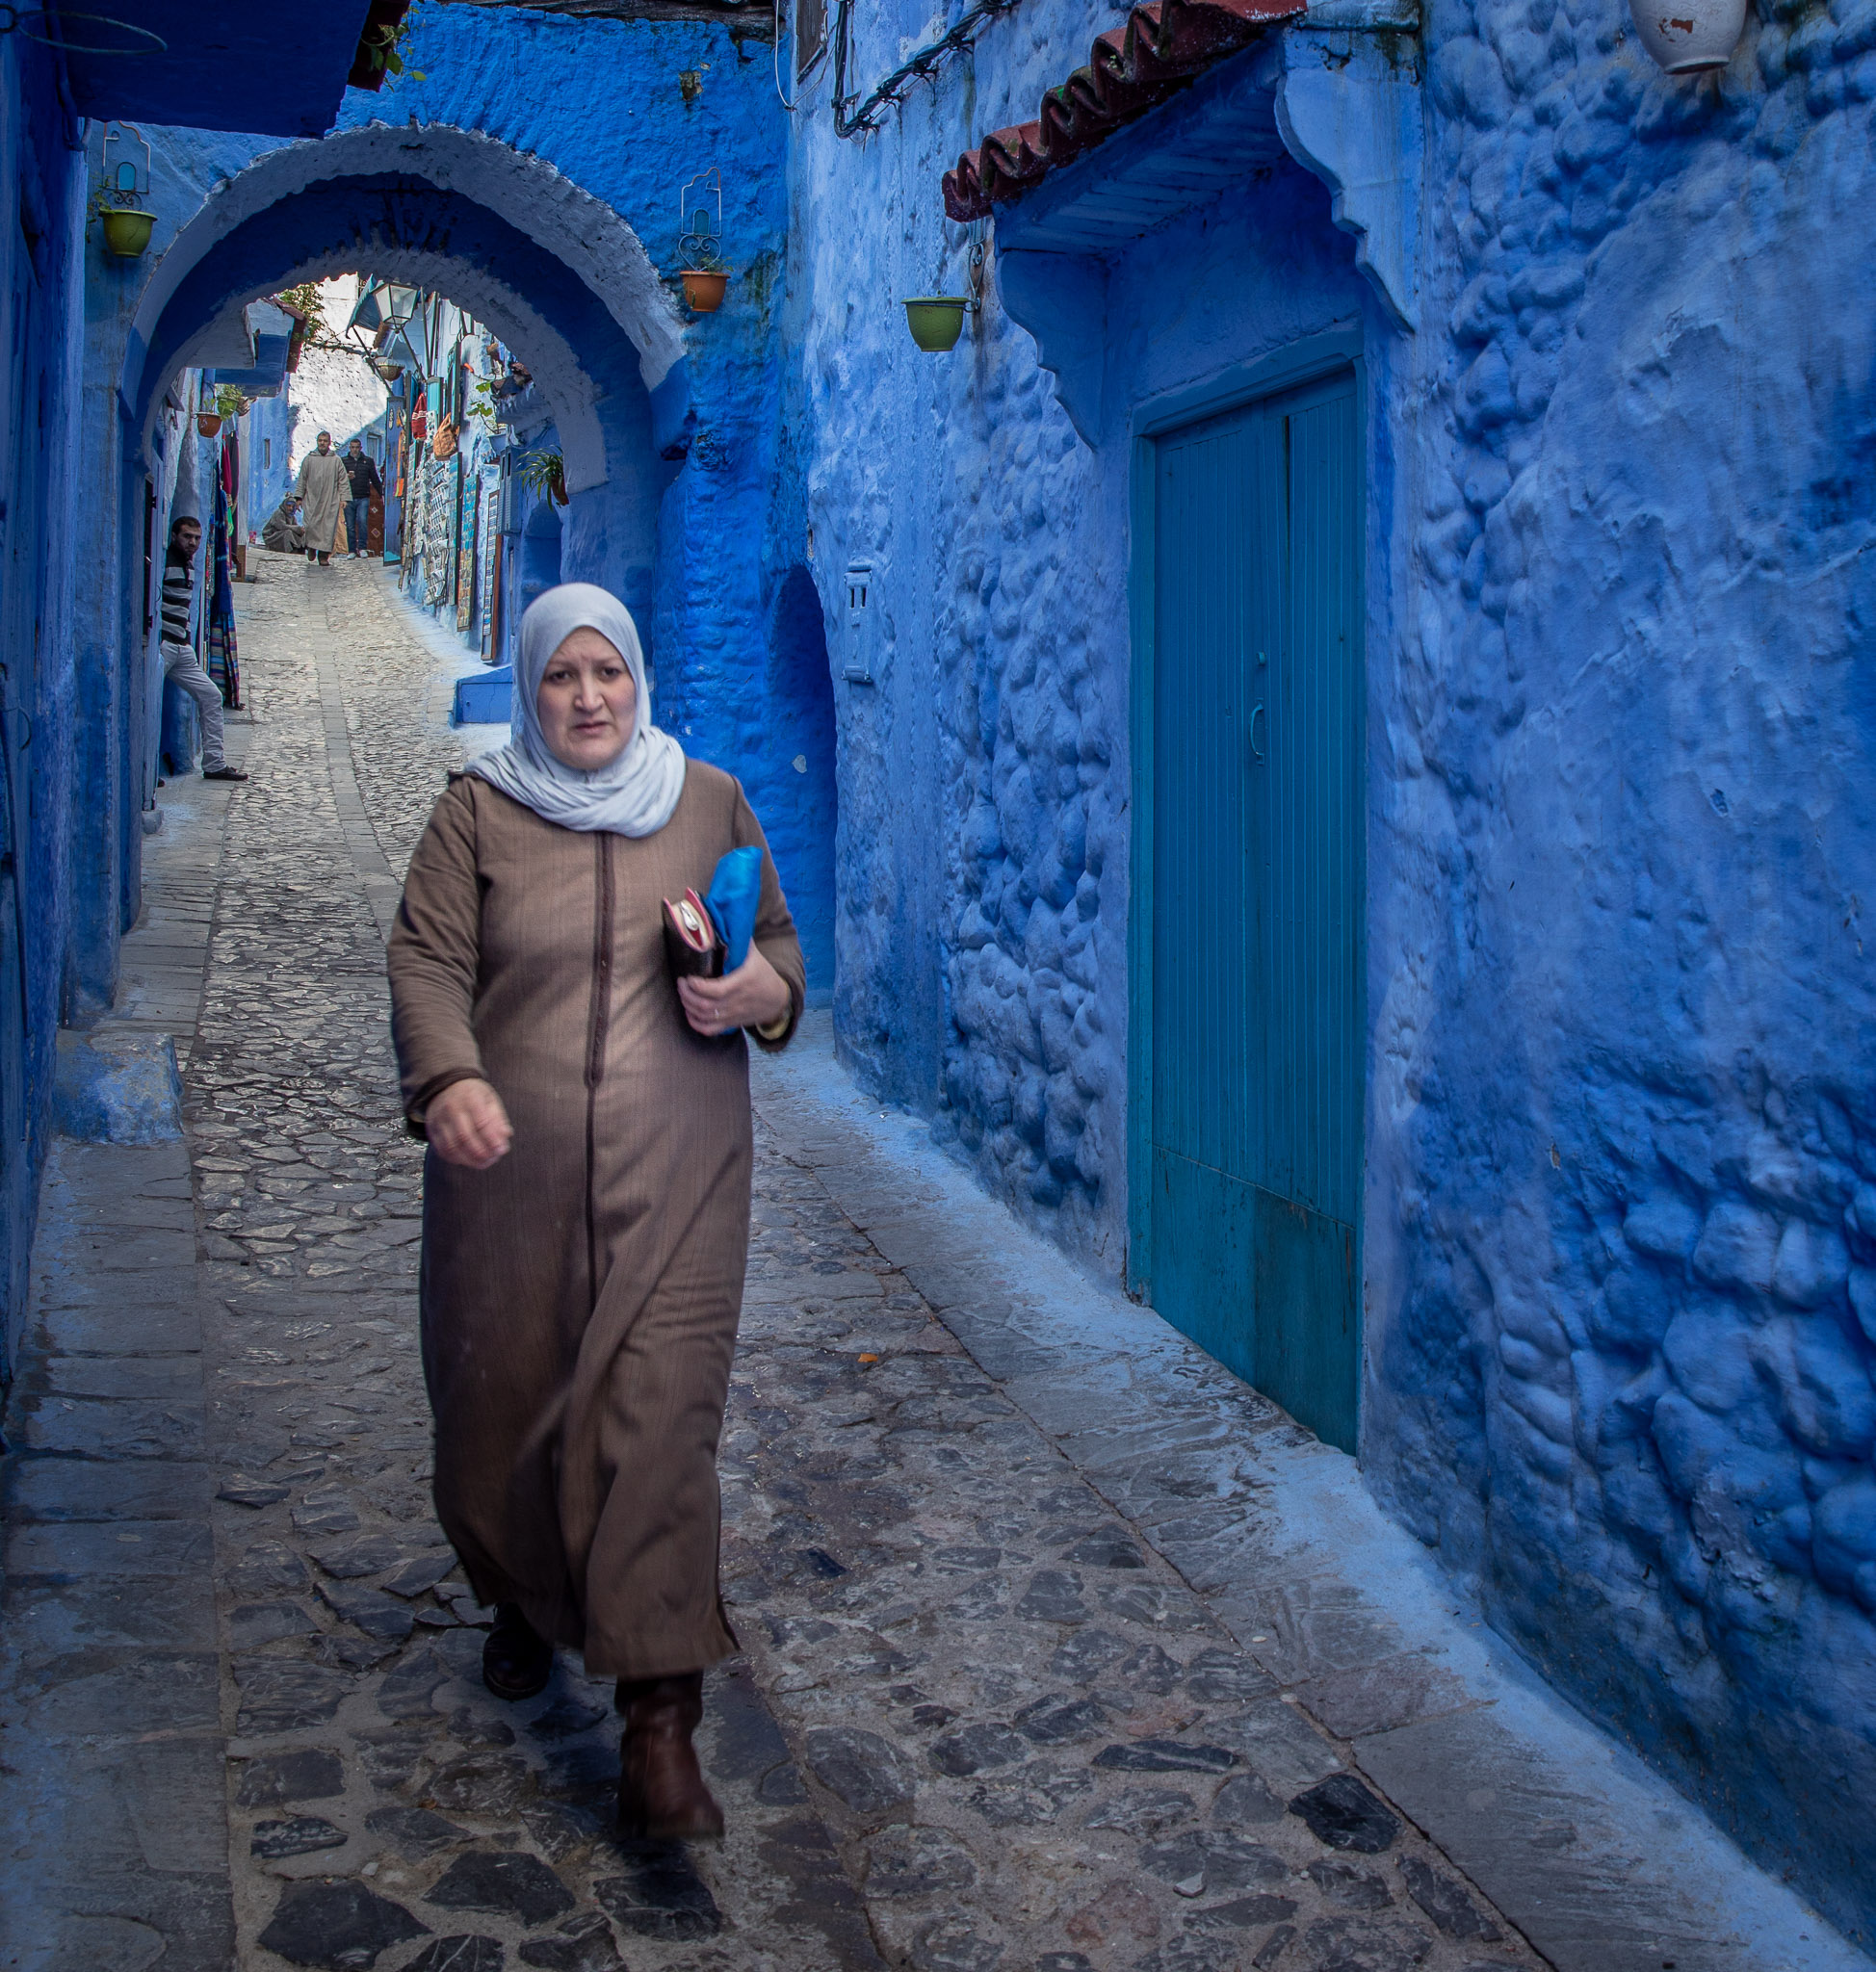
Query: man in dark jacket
{"x": 362, "y": 475}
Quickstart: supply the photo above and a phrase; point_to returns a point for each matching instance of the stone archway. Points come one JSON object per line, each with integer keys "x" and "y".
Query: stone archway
{"x": 556, "y": 272}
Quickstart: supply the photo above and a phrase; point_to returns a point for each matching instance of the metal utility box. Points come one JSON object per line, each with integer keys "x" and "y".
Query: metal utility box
{"x": 858, "y": 658}
{"x": 485, "y": 700}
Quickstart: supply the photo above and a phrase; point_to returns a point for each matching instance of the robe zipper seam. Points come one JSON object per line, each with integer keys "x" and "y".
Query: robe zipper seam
{"x": 602, "y": 1006}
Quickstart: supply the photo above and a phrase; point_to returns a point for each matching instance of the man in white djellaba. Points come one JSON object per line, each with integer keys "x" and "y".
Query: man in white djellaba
{"x": 322, "y": 490}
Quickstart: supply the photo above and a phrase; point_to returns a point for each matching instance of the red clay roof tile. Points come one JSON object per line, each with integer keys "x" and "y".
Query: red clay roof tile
{"x": 1162, "y": 47}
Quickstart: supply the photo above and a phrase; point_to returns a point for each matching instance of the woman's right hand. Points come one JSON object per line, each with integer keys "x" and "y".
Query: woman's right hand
{"x": 467, "y": 1125}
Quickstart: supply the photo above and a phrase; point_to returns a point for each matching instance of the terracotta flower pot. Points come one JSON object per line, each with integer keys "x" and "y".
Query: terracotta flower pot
{"x": 704, "y": 291}
{"x": 208, "y": 423}
{"x": 936, "y": 321}
{"x": 1688, "y": 36}
{"x": 127, "y": 234}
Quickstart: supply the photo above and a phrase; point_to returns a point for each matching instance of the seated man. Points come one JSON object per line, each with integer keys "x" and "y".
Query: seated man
{"x": 179, "y": 659}
{"x": 282, "y": 532}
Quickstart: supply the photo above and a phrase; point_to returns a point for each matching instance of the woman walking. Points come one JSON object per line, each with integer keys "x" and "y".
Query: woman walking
{"x": 586, "y": 1191}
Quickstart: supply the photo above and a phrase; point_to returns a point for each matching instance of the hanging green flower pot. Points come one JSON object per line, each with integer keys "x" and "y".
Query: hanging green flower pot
{"x": 936, "y": 321}
{"x": 126, "y": 234}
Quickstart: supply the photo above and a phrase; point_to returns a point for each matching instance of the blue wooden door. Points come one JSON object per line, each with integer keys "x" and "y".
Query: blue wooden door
{"x": 1254, "y": 1130}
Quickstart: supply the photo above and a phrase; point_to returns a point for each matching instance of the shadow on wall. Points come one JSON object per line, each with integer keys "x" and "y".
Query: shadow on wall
{"x": 540, "y": 552}
{"x": 180, "y": 746}
{"x": 801, "y": 810}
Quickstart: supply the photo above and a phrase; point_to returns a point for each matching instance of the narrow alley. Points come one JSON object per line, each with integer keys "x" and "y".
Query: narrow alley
{"x": 1063, "y": 1649}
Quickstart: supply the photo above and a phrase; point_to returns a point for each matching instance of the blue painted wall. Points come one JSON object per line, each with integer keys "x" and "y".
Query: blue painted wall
{"x": 117, "y": 666}
{"x": 42, "y": 181}
{"x": 1624, "y": 1122}
{"x": 1619, "y": 1239}
{"x": 270, "y": 424}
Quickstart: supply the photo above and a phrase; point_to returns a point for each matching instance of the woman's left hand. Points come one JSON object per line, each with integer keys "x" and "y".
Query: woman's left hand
{"x": 753, "y": 995}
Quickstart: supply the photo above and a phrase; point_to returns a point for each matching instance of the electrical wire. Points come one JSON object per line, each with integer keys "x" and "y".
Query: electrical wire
{"x": 921, "y": 67}
{"x": 775, "y": 51}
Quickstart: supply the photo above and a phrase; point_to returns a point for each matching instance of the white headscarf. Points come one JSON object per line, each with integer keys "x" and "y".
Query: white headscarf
{"x": 636, "y": 794}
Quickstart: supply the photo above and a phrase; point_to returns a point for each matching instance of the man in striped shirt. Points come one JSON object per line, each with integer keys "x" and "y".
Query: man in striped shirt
{"x": 179, "y": 659}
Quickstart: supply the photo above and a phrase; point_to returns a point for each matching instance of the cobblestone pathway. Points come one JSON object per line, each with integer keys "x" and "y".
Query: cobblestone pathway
{"x": 980, "y": 1723}
{"x": 984, "y": 1728}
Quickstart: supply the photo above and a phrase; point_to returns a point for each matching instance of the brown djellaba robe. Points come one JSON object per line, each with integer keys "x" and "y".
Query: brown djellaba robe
{"x": 580, "y": 1298}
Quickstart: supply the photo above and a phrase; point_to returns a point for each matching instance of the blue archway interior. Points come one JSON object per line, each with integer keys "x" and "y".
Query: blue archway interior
{"x": 799, "y": 805}
{"x": 375, "y": 223}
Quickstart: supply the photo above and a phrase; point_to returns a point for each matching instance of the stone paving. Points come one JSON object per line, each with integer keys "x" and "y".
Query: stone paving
{"x": 981, "y": 1725}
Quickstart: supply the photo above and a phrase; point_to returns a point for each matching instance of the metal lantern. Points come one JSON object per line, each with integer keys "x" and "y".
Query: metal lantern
{"x": 368, "y": 313}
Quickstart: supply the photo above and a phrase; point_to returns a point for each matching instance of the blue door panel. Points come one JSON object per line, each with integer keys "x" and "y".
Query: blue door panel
{"x": 1254, "y": 1111}
{"x": 1205, "y": 1224}
{"x": 1309, "y": 1339}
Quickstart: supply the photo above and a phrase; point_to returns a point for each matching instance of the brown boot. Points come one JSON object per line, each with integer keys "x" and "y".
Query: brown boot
{"x": 663, "y": 1796}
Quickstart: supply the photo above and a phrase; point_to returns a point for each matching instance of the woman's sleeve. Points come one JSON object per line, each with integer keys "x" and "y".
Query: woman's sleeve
{"x": 436, "y": 957}
{"x": 775, "y": 937}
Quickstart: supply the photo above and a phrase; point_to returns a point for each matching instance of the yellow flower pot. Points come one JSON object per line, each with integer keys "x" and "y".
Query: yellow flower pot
{"x": 936, "y": 321}
{"x": 126, "y": 234}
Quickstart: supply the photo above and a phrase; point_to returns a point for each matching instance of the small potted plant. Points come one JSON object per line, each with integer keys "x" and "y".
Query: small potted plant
{"x": 700, "y": 261}
{"x": 126, "y": 233}
{"x": 703, "y": 273}
{"x": 228, "y": 403}
{"x": 1691, "y": 37}
{"x": 545, "y": 472}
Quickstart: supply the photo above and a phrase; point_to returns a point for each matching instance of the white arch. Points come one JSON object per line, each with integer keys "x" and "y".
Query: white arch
{"x": 583, "y": 232}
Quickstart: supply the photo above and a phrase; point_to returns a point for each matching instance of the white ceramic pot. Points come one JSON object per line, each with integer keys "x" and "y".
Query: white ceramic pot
{"x": 1688, "y": 36}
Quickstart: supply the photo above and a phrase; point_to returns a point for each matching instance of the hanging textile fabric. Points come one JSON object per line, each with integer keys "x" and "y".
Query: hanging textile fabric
{"x": 223, "y": 663}
{"x": 439, "y": 529}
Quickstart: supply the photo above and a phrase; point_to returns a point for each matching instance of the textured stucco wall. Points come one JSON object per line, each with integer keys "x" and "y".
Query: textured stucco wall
{"x": 1619, "y": 1238}
{"x": 1623, "y": 1116}
{"x": 41, "y": 271}
{"x": 981, "y": 899}
{"x": 272, "y": 421}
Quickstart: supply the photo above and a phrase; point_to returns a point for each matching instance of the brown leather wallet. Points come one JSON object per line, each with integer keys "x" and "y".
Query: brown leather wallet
{"x": 691, "y": 941}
